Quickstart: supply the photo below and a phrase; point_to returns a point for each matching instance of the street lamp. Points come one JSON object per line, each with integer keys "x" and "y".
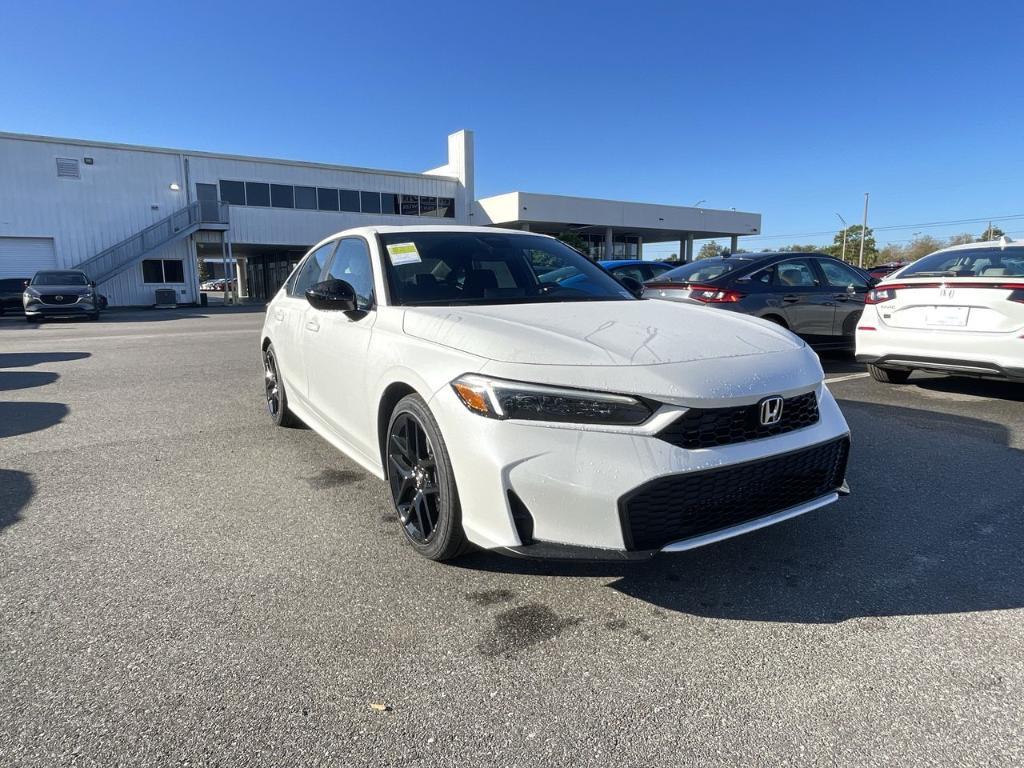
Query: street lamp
{"x": 844, "y": 235}
{"x": 697, "y": 204}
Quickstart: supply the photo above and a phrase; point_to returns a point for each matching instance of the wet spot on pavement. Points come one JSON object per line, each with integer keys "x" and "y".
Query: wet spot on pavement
{"x": 490, "y": 596}
{"x": 333, "y": 478}
{"x": 518, "y": 629}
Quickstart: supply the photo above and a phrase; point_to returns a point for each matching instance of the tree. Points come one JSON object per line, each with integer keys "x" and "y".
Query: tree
{"x": 673, "y": 257}
{"x": 575, "y": 240}
{"x": 962, "y": 239}
{"x": 921, "y": 246}
{"x": 992, "y": 233}
{"x": 853, "y": 246}
{"x": 204, "y": 273}
{"x": 800, "y": 248}
{"x": 710, "y": 250}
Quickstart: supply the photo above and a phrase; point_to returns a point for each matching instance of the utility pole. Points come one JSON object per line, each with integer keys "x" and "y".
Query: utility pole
{"x": 844, "y": 235}
{"x": 863, "y": 232}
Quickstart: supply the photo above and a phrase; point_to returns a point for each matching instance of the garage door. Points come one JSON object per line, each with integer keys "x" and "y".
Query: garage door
{"x": 24, "y": 256}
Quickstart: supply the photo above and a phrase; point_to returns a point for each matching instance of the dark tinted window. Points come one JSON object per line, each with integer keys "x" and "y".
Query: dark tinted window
{"x": 282, "y": 196}
{"x": 305, "y": 197}
{"x": 704, "y": 270}
{"x": 232, "y": 192}
{"x": 840, "y": 275}
{"x": 152, "y": 271}
{"x": 327, "y": 199}
{"x": 257, "y": 193}
{"x": 428, "y": 206}
{"x": 410, "y": 205}
{"x": 481, "y": 268}
{"x": 309, "y": 273}
{"x": 59, "y": 278}
{"x": 206, "y": 192}
{"x": 388, "y": 203}
{"x": 349, "y": 200}
{"x": 174, "y": 272}
{"x": 370, "y": 202}
{"x": 352, "y": 264}
{"x": 446, "y": 207}
{"x": 795, "y": 274}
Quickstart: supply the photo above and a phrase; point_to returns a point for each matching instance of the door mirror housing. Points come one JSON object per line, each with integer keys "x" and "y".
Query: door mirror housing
{"x": 92, "y": 283}
{"x": 332, "y": 296}
{"x": 632, "y": 285}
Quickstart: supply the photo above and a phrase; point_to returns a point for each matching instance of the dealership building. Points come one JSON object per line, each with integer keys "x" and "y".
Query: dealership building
{"x": 141, "y": 219}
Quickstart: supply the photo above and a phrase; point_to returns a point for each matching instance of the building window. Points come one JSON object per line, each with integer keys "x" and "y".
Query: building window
{"x": 305, "y": 198}
{"x": 370, "y": 202}
{"x": 446, "y": 207}
{"x": 327, "y": 199}
{"x": 349, "y": 200}
{"x": 232, "y": 192}
{"x": 282, "y": 196}
{"x": 410, "y": 205}
{"x": 163, "y": 271}
{"x": 428, "y": 206}
{"x": 257, "y": 194}
{"x": 388, "y": 203}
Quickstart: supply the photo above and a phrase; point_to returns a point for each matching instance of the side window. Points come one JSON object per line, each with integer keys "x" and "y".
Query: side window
{"x": 760, "y": 280}
{"x": 795, "y": 274}
{"x": 658, "y": 269}
{"x": 308, "y": 273}
{"x": 633, "y": 272}
{"x": 352, "y": 264}
{"x": 841, "y": 276}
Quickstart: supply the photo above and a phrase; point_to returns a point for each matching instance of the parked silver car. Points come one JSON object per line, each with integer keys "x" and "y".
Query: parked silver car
{"x": 61, "y": 293}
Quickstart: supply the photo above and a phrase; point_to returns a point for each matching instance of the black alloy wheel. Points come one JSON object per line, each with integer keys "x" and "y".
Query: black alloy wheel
{"x": 277, "y": 400}
{"x": 422, "y": 483}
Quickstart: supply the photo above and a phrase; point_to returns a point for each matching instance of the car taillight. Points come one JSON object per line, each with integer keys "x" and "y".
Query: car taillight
{"x": 878, "y": 295}
{"x": 709, "y": 294}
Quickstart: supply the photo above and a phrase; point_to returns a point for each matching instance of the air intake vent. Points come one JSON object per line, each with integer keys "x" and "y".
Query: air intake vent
{"x": 67, "y": 168}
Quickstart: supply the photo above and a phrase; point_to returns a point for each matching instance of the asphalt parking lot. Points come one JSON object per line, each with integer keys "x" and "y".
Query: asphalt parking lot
{"x": 181, "y": 583}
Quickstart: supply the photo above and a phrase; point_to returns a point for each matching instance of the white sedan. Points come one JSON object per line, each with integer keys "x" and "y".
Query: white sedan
{"x": 556, "y": 417}
{"x": 959, "y": 311}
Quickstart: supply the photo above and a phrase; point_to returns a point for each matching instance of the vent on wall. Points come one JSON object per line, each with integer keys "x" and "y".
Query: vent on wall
{"x": 67, "y": 168}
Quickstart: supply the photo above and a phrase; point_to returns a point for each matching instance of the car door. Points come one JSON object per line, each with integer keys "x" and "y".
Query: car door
{"x": 336, "y": 344}
{"x": 806, "y": 303}
{"x": 849, "y": 287}
{"x": 287, "y": 314}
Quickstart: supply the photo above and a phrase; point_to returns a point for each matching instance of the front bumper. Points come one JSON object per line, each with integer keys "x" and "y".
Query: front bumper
{"x": 79, "y": 309}
{"x": 575, "y": 482}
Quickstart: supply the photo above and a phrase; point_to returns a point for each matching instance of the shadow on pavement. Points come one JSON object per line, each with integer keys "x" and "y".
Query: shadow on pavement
{"x": 21, "y": 418}
{"x": 838, "y": 363}
{"x": 992, "y": 388}
{"x": 16, "y": 489}
{"x": 28, "y": 359}
{"x": 11, "y": 380}
{"x": 934, "y": 526}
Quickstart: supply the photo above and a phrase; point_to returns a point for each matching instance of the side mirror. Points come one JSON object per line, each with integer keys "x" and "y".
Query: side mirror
{"x": 332, "y": 296}
{"x": 25, "y": 284}
{"x": 92, "y": 283}
{"x": 632, "y": 285}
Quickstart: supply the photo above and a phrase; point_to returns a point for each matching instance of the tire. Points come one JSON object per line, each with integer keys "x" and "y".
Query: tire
{"x": 94, "y": 316}
{"x": 422, "y": 483}
{"x": 277, "y": 398}
{"x": 777, "y": 320}
{"x": 888, "y": 375}
{"x": 31, "y": 320}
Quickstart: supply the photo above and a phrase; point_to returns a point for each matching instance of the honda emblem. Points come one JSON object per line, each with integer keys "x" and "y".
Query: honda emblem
{"x": 771, "y": 410}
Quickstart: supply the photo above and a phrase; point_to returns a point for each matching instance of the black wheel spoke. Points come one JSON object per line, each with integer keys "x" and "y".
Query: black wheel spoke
{"x": 412, "y": 475}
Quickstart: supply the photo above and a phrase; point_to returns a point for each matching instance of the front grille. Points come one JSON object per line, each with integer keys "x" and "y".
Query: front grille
{"x": 58, "y": 298}
{"x": 682, "y": 506}
{"x": 710, "y": 427}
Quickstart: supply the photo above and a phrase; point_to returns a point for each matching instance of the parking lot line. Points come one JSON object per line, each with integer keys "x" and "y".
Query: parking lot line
{"x": 849, "y": 376}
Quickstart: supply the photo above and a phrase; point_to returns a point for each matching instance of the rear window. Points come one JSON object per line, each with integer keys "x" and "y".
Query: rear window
{"x": 703, "y": 270}
{"x": 973, "y": 262}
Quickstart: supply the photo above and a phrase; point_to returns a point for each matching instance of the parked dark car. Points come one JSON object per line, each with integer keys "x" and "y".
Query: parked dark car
{"x": 11, "y": 289}
{"x": 61, "y": 293}
{"x": 639, "y": 270}
{"x": 815, "y": 296}
{"x": 881, "y": 270}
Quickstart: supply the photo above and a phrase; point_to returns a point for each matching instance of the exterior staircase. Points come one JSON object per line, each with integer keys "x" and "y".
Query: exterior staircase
{"x": 201, "y": 214}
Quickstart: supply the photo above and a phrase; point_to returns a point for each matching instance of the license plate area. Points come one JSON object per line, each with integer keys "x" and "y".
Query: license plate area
{"x": 947, "y": 316}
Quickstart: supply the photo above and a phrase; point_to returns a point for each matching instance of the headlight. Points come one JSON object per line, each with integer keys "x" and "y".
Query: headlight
{"x": 501, "y": 399}
{"x": 31, "y": 293}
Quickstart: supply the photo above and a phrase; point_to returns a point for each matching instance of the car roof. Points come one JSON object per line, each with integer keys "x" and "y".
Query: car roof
{"x": 1001, "y": 243}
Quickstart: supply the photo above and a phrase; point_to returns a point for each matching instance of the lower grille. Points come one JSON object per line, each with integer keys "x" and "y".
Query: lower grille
{"x": 682, "y": 506}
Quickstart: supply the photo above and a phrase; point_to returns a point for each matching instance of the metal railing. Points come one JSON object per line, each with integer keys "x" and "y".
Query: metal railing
{"x": 181, "y": 223}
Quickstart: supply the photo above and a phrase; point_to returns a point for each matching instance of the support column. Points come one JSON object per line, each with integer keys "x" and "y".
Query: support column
{"x": 734, "y": 244}
{"x": 609, "y": 243}
{"x": 243, "y": 277}
{"x": 689, "y": 247}
{"x": 640, "y": 247}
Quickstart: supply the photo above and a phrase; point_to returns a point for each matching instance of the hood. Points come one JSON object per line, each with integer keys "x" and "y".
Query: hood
{"x": 598, "y": 333}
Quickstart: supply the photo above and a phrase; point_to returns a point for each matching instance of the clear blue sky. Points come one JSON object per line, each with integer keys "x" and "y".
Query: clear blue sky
{"x": 790, "y": 109}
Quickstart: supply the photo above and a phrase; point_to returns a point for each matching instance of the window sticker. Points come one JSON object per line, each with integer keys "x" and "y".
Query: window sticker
{"x": 403, "y": 253}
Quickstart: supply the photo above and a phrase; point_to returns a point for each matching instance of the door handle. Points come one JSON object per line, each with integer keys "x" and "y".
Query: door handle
{"x": 313, "y": 325}
{"x": 790, "y": 299}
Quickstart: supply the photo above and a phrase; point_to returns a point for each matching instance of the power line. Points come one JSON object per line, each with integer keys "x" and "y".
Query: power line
{"x": 891, "y": 227}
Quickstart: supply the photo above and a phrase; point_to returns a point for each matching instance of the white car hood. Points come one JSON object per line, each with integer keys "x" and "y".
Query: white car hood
{"x": 598, "y": 333}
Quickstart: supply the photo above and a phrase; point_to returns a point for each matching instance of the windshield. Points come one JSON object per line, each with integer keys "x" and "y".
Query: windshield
{"x": 446, "y": 268}
{"x": 974, "y": 262}
{"x": 703, "y": 270}
{"x": 60, "y": 278}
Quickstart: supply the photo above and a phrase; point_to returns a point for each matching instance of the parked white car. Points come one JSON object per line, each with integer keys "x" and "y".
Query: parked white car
{"x": 561, "y": 418}
{"x": 959, "y": 311}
